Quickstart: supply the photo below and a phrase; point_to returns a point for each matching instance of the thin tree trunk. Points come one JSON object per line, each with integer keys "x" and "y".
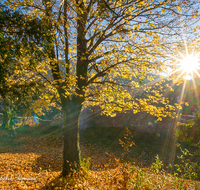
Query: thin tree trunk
{"x": 5, "y": 114}
{"x": 5, "y": 119}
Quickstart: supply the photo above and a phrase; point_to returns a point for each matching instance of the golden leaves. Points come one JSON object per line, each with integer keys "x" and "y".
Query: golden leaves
{"x": 37, "y": 164}
{"x": 179, "y": 8}
{"x": 28, "y": 167}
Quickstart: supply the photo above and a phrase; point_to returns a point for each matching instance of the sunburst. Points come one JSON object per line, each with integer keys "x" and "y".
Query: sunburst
{"x": 187, "y": 65}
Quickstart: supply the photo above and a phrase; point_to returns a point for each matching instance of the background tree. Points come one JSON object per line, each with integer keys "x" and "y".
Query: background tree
{"x": 101, "y": 42}
{"x": 18, "y": 84}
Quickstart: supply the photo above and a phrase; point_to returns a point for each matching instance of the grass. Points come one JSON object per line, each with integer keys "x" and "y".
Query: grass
{"x": 34, "y": 155}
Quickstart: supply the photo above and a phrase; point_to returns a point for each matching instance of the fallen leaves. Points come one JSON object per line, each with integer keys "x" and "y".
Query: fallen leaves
{"x": 31, "y": 165}
{"x": 37, "y": 164}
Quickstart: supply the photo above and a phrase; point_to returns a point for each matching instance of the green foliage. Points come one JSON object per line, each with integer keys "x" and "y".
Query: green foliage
{"x": 189, "y": 131}
{"x": 157, "y": 166}
{"x": 85, "y": 164}
{"x": 198, "y": 150}
{"x": 187, "y": 168}
{"x": 21, "y": 40}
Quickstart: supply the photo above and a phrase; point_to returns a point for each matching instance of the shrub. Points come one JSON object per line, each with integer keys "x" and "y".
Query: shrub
{"x": 189, "y": 131}
{"x": 186, "y": 167}
{"x": 157, "y": 166}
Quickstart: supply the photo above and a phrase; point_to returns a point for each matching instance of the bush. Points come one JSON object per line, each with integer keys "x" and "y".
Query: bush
{"x": 157, "y": 166}
{"x": 189, "y": 132}
{"x": 187, "y": 168}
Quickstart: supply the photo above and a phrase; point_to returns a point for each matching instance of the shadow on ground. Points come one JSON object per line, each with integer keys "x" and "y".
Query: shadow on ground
{"x": 46, "y": 141}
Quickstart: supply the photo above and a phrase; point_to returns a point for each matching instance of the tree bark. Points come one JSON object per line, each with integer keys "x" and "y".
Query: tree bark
{"x": 72, "y": 108}
{"x": 71, "y": 151}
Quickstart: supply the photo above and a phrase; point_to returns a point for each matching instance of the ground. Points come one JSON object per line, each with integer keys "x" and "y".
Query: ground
{"x": 33, "y": 158}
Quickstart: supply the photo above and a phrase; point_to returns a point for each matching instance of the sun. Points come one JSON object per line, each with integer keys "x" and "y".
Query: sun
{"x": 189, "y": 64}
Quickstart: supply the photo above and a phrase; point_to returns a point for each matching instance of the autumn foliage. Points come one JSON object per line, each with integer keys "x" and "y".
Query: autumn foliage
{"x": 36, "y": 163}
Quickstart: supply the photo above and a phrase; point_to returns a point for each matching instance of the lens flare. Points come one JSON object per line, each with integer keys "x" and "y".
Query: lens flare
{"x": 36, "y": 118}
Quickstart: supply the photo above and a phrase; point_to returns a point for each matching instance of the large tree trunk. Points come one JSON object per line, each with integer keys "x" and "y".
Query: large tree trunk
{"x": 72, "y": 108}
{"x": 71, "y": 151}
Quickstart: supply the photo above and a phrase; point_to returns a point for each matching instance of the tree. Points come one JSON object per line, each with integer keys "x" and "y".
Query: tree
{"x": 16, "y": 89}
{"x": 102, "y": 41}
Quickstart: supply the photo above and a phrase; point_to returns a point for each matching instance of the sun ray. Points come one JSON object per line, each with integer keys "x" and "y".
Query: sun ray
{"x": 197, "y": 73}
{"x": 179, "y": 76}
{"x": 195, "y": 90}
{"x": 187, "y": 67}
{"x": 173, "y": 153}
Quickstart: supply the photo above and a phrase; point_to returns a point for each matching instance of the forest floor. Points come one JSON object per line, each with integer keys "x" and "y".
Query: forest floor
{"x": 32, "y": 159}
